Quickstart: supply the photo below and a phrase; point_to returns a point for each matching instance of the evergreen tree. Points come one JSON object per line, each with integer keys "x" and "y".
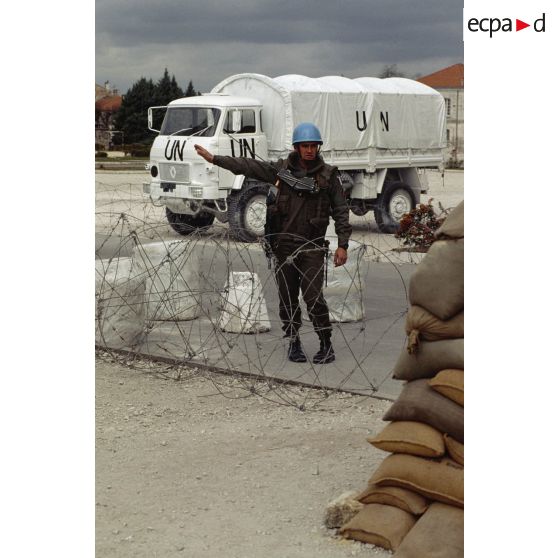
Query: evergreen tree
{"x": 163, "y": 89}
{"x": 167, "y": 90}
{"x": 131, "y": 118}
{"x": 190, "y": 91}
{"x": 176, "y": 91}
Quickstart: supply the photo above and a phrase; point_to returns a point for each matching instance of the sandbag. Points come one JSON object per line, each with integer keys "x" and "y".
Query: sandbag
{"x": 119, "y": 304}
{"x": 419, "y": 402}
{"x": 421, "y": 325}
{"x": 454, "y": 224}
{"x": 455, "y": 450}
{"x": 244, "y": 309}
{"x": 450, "y": 383}
{"x": 432, "y": 357}
{"x": 439, "y": 533}
{"x": 437, "y": 284}
{"x": 172, "y": 286}
{"x": 384, "y": 526}
{"x": 407, "y": 500}
{"x": 439, "y": 480}
{"x": 415, "y": 438}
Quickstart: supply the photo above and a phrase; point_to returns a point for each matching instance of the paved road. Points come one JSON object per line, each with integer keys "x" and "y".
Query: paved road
{"x": 366, "y": 350}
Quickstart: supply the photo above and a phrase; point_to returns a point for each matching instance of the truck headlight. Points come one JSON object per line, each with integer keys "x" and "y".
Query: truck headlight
{"x": 154, "y": 171}
{"x": 196, "y": 192}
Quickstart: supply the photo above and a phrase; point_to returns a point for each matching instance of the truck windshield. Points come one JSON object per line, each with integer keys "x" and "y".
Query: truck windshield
{"x": 187, "y": 121}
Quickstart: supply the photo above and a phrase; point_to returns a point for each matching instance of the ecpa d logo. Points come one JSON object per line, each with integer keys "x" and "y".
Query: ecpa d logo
{"x": 495, "y": 24}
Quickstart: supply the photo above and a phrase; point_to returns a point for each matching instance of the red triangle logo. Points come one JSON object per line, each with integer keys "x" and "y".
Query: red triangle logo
{"x": 519, "y": 25}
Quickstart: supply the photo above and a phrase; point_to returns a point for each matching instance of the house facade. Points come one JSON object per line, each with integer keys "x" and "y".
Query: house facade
{"x": 450, "y": 83}
{"x": 107, "y": 103}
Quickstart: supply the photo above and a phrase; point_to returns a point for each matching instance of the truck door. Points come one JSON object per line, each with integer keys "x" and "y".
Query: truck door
{"x": 249, "y": 141}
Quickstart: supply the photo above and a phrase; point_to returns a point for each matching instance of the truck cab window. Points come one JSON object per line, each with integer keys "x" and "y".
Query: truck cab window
{"x": 248, "y": 122}
{"x": 189, "y": 121}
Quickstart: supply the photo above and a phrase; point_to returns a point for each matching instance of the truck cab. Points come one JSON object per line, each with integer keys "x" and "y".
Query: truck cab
{"x": 193, "y": 191}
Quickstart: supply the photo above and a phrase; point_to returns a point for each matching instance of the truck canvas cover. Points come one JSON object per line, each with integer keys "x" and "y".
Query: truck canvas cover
{"x": 352, "y": 114}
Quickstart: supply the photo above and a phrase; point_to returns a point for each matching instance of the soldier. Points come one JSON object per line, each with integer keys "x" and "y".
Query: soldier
{"x": 296, "y": 222}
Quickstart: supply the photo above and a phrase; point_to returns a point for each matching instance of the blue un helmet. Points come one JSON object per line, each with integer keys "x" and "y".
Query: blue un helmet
{"x": 306, "y": 132}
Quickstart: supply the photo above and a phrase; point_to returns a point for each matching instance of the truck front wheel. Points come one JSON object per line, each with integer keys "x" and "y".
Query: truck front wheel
{"x": 247, "y": 210}
{"x": 187, "y": 224}
{"x": 396, "y": 200}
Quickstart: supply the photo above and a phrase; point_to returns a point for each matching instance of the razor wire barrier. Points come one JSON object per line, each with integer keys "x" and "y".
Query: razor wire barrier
{"x": 205, "y": 302}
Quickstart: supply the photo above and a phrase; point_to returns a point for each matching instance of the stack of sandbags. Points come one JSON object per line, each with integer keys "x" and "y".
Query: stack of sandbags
{"x": 413, "y": 503}
{"x": 436, "y": 289}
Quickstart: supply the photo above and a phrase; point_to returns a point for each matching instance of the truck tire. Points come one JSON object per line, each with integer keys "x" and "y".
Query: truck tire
{"x": 247, "y": 209}
{"x": 187, "y": 224}
{"x": 396, "y": 200}
{"x": 359, "y": 207}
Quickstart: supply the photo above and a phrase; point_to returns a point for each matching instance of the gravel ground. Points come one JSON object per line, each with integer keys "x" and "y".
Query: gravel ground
{"x": 196, "y": 468}
{"x": 183, "y": 470}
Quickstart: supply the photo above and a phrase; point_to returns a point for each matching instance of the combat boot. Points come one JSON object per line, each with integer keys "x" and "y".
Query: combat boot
{"x": 326, "y": 353}
{"x": 296, "y": 354}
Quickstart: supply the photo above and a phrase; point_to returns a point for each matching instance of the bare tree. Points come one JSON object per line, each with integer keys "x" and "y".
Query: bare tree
{"x": 391, "y": 70}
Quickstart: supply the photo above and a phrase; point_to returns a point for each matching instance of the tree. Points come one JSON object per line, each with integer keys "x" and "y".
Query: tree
{"x": 167, "y": 89}
{"x": 391, "y": 70}
{"x": 175, "y": 90}
{"x": 131, "y": 118}
{"x": 190, "y": 91}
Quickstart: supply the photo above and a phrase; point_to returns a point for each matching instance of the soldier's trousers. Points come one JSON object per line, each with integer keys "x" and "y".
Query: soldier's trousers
{"x": 301, "y": 270}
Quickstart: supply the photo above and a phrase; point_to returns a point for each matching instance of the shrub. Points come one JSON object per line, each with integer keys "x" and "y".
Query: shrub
{"x": 417, "y": 227}
{"x": 100, "y": 155}
{"x": 140, "y": 152}
{"x": 136, "y": 149}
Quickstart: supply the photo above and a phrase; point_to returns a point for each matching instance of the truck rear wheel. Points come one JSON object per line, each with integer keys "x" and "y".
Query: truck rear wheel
{"x": 187, "y": 224}
{"x": 247, "y": 210}
{"x": 396, "y": 200}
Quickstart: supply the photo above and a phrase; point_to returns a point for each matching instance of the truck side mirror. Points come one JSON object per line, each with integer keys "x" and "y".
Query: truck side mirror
{"x": 236, "y": 121}
{"x": 150, "y": 118}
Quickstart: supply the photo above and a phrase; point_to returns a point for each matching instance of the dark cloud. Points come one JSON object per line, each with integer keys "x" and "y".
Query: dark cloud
{"x": 206, "y": 41}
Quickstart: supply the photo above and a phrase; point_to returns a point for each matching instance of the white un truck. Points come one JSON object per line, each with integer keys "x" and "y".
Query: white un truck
{"x": 380, "y": 133}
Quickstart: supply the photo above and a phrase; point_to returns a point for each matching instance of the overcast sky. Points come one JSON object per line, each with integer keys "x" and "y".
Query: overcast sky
{"x": 208, "y": 40}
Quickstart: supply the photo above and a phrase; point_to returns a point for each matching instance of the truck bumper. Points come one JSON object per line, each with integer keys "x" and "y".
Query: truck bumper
{"x": 211, "y": 199}
{"x": 171, "y": 190}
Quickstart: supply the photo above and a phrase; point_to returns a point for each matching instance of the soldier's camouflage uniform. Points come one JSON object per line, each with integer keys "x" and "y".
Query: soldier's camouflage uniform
{"x": 297, "y": 237}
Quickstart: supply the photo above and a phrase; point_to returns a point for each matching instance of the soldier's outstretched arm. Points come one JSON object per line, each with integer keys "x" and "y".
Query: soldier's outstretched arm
{"x": 260, "y": 170}
{"x": 203, "y": 152}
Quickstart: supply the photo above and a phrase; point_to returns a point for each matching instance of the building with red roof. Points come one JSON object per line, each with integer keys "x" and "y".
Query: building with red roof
{"x": 450, "y": 83}
{"x": 107, "y": 103}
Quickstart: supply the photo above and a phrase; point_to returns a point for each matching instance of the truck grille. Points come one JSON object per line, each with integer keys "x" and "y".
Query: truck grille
{"x": 174, "y": 172}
